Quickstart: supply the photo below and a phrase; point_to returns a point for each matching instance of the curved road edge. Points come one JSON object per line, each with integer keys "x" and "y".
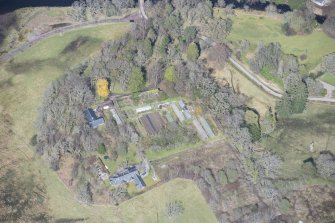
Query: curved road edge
{"x": 263, "y": 85}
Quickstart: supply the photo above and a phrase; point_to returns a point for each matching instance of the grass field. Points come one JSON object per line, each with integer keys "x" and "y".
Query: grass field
{"x": 256, "y": 97}
{"x": 260, "y": 27}
{"x": 294, "y": 136}
{"x": 328, "y": 78}
{"x": 196, "y": 208}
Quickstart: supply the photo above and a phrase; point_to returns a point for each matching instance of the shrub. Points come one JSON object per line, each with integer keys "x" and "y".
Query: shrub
{"x": 169, "y": 74}
{"x": 102, "y": 88}
{"x": 193, "y": 52}
{"x": 101, "y": 149}
{"x": 174, "y": 209}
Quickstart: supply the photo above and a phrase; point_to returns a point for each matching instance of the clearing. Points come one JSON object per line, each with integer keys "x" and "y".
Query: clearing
{"x": 293, "y": 136}
{"x": 196, "y": 208}
{"x": 257, "y": 27}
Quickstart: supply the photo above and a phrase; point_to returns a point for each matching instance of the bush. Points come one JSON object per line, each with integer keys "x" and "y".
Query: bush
{"x": 325, "y": 165}
{"x": 101, "y": 149}
{"x": 193, "y": 52}
{"x": 169, "y": 74}
{"x": 174, "y": 209}
{"x": 136, "y": 82}
{"x": 102, "y": 88}
{"x": 255, "y": 132}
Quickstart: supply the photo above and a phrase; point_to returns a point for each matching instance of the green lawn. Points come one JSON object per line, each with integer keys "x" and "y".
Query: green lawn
{"x": 328, "y": 78}
{"x": 155, "y": 155}
{"x": 150, "y": 207}
{"x": 257, "y": 28}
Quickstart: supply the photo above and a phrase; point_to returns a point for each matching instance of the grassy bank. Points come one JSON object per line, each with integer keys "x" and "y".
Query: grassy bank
{"x": 255, "y": 97}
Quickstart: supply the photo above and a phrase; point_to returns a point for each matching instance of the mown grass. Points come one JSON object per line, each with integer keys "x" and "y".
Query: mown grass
{"x": 151, "y": 205}
{"x": 328, "y": 78}
{"x": 293, "y": 137}
{"x": 263, "y": 28}
{"x": 155, "y": 155}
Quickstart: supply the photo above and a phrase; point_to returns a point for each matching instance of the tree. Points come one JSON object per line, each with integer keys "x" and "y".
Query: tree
{"x": 169, "y": 74}
{"x": 162, "y": 47}
{"x": 297, "y": 91}
{"x": 155, "y": 72}
{"x": 147, "y": 48}
{"x": 102, "y": 88}
{"x": 218, "y": 29}
{"x": 298, "y": 22}
{"x": 294, "y": 98}
{"x": 61, "y": 123}
{"x": 315, "y": 87}
{"x": 219, "y": 54}
{"x": 22, "y": 198}
{"x": 84, "y": 192}
{"x": 266, "y": 56}
{"x": 101, "y": 149}
{"x": 328, "y": 64}
{"x": 284, "y": 107}
{"x": 189, "y": 34}
{"x": 325, "y": 165}
{"x": 174, "y": 209}
{"x": 329, "y": 26}
{"x": 136, "y": 82}
{"x": 192, "y": 52}
{"x": 269, "y": 165}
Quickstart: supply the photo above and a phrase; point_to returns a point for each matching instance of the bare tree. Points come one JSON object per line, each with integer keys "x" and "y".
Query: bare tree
{"x": 174, "y": 209}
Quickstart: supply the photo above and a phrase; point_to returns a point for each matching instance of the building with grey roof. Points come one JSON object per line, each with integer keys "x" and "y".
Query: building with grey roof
{"x": 92, "y": 118}
{"x": 127, "y": 175}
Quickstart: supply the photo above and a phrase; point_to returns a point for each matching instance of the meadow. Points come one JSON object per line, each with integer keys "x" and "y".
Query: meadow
{"x": 293, "y": 137}
{"x": 260, "y": 27}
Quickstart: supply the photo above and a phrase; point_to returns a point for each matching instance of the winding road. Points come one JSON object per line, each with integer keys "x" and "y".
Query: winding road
{"x": 266, "y": 87}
